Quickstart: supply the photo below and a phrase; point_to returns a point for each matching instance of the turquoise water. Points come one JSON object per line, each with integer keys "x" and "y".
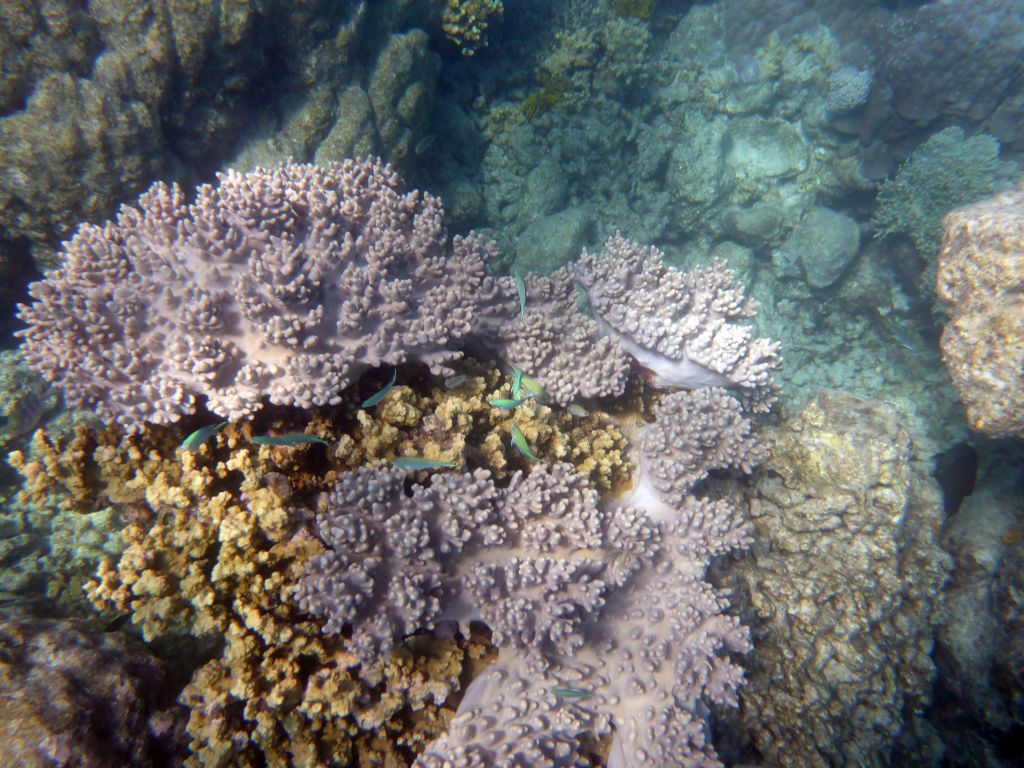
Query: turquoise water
{"x": 866, "y": 580}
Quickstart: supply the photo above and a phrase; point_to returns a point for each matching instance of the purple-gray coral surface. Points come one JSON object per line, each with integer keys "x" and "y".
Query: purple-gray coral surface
{"x": 283, "y": 284}
{"x": 681, "y": 326}
{"x": 603, "y": 617}
{"x": 553, "y": 340}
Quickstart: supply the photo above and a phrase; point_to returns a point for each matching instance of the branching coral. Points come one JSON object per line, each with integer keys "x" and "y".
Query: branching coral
{"x": 285, "y": 284}
{"x": 681, "y": 326}
{"x": 601, "y": 604}
{"x": 465, "y": 22}
{"x": 553, "y": 340}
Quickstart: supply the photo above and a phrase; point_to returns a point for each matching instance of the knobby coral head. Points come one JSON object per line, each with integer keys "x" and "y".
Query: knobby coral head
{"x": 283, "y": 284}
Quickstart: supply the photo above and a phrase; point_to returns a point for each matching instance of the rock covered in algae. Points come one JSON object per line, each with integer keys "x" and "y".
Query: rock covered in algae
{"x": 981, "y": 275}
{"x": 846, "y": 583}
{"x": 70, "y": 695}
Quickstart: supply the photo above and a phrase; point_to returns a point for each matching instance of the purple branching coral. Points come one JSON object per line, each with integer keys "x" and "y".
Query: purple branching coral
{"x": 694, "y": 432}
{"x": 400, "y": 562}
{"x": 553, "y": 340}
{"x": 681, "y": 326}
{"x": 602, "y": 613}
{"x": 283, "y": 284}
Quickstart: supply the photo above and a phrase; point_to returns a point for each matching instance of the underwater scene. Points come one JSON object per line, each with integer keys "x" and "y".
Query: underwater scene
{"x": 523, "y": 384}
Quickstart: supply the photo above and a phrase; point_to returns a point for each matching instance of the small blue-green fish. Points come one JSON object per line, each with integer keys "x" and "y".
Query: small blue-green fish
{"x": 506, "y": 404}
{"x": 520, "y": 444}
{"x": 194, "y": 441}
{"x": 517, "y": 383}
{"x": 372, "y": 400}
{"x": 572, "y": 693}
{"x": 534, "y": 387}
{"x": 291, "y": 439}
{"x": 577, "y": 410}
{"x": 521, "y": 290}
{"x": 418, "y": 462}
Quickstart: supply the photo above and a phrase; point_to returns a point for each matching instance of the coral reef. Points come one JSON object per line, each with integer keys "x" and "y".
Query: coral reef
{"x": 285, "y": 284}
{"x": 681, "y": 326}
{"x": 981, "y": 275}
{"x": 553, "y": 340}
{"x": 210, "y": 543}
{"x": 845, "y": 584}
{"x": 945, "y": 172}
{"x": 70, "y": 695}
{"x": 465, "y": 22}
{"x": 98, "y": 101}
{"x": 980, "y": 646}
{"x": 212, "y": 550}
{"x": 929, "y": 71}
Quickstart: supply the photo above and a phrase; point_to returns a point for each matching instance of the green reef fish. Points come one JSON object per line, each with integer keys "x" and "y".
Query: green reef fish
{"x": 521, "y": 290}
{"x": 577, "y": 410}
{"x": 572, "y": 693}
{"x": 291, "y": 439}
{"x": 517, "y": 383}
{"x": 506, "y": 404}
{"x": 520, "y": 444}
{"x": 372, "y": 400}
{"x": 419, "y": 462}
{"x": 534, "y": 387}
{"x": 194, "y": 441}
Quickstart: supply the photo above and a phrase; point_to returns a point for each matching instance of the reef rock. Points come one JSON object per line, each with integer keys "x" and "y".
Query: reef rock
{"x": 981, "y": 274}
{"x": 845, "y": 582}
{"x": 70, "y": 696}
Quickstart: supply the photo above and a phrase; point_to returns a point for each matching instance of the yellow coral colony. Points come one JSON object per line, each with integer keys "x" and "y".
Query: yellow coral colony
{"x": 465, "y": 22}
